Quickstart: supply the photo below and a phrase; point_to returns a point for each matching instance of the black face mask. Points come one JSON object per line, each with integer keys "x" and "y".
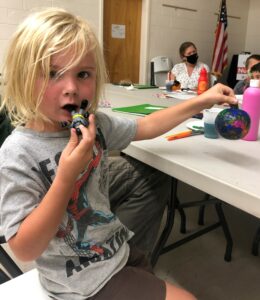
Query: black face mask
{"x": 192, "y": 59}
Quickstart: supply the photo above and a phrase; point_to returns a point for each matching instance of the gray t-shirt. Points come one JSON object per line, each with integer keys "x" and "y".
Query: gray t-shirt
{"x": 240, "y": 87}
{"x": 91, "y": 243}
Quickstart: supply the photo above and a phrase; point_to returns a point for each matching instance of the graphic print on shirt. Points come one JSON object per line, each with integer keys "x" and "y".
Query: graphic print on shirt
{"x": 81, "y": 217}
{"x": 80, "y": 212}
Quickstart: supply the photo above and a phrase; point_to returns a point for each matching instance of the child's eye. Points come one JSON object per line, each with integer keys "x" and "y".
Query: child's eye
{"x": 53, "y": 74}
{"x": 83, "y": 74}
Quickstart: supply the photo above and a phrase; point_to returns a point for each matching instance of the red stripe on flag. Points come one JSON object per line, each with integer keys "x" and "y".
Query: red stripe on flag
{"x": 219, "y": 60}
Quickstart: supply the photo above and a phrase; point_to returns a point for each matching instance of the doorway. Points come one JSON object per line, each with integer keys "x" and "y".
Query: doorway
{"x": 121, "y": 39}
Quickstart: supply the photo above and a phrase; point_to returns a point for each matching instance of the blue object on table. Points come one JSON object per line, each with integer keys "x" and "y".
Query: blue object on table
{"x": 198, "y": 116}
{"x": 233, "y": 123}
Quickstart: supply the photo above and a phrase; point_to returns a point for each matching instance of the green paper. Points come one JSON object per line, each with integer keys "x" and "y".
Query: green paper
{"x": 144, "y": 86}
{"x": 142, "y": 109}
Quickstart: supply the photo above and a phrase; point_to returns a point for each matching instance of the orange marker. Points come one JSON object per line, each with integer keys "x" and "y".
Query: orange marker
{"x": 183, "y": 134}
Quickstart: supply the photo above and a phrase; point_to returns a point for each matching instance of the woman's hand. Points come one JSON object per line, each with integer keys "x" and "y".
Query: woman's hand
{"x": 78, "y": 152}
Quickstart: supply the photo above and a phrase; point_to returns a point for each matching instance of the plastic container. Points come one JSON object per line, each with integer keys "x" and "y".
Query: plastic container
{"x": 251, "y": 104}
{"x": 203, "y": 81}
{"x": 172, "y": 85}
{"x": 168, "y": 85}
{"x": 209, "y": 116}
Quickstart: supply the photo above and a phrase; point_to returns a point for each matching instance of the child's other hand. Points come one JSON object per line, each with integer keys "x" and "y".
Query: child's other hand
{"x": 219, "y": 94}
{"x": 78, "y": 152}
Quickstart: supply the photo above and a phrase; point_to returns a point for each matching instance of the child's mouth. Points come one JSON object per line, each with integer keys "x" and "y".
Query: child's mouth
{"x": 70, "y": 107}
{"x": 79, "y": 117}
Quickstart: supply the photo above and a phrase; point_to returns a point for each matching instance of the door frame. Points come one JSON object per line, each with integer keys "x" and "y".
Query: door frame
{"x": 145, "y": 25}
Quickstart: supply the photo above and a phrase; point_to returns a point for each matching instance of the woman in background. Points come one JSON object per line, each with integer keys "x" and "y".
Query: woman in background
{"x": 188, "y": 71}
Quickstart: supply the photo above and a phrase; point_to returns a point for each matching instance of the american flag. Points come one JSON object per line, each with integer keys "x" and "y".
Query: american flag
{"x": 219, "y": 61}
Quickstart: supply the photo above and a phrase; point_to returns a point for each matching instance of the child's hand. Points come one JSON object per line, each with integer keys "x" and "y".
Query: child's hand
{"x": 78, "y": 152}
{"x": 219, "y": 94}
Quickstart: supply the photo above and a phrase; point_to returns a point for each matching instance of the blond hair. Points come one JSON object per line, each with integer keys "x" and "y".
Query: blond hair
{"x": 40, "y": 36}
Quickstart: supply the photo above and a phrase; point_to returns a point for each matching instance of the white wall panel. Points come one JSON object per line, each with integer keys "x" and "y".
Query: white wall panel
{"x": 12, "y": 12}
{"x": 167, "y": 28}
{"x": 252, "y": 34}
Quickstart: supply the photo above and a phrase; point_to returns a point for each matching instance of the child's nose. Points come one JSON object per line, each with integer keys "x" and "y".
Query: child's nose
{"x": 70, "y": 86}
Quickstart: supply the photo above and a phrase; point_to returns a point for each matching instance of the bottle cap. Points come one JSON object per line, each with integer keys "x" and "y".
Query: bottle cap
{"x": 203, "y": 71}
{"x": 254, "y": 83}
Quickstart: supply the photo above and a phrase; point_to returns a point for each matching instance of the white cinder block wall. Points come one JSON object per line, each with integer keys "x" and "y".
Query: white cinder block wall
{"x": 12, "y": 12}
{"x": 165, "y": 28}
{"x": 252, "y": 34}
{"x": 169, "y": 27}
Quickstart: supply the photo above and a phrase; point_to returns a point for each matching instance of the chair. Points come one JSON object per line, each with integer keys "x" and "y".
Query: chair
{"x": 8, "y": 264}
{"x": 174, "y": 204}
{"x": 14, "y": 284}
{"x": 256, "y": 242}
{"x": 24, "y": 287}
{"x": 161, "y": 66}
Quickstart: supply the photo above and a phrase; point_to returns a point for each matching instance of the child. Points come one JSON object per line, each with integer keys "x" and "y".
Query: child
{"x": 54, "y": 200}
{"x": 255, "y": 71}
{"x": 243, "y": 84}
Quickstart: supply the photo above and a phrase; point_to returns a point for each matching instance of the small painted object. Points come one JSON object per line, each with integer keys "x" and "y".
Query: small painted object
{"x": 168, "y": 85}
{"x": 172, "y": 85}
{"x": 78, "y": 118}
{"x": 233, "y": 123}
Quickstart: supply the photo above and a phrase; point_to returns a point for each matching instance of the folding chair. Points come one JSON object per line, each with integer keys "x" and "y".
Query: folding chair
{"x": 161, "y": 66}
{"x": 174, "y": 204}
{"x": 11, "y": 269}
{"x": 256, "y": 242}
{"x": 24, "y": 287}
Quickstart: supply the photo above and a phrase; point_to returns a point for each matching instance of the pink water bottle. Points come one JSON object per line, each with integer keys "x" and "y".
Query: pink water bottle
{"x": 251, "y": 104}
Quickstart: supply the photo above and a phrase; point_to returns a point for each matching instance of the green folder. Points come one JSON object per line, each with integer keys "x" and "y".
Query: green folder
{"x": 142, "y": 109}
{"x": 144, "y": 86}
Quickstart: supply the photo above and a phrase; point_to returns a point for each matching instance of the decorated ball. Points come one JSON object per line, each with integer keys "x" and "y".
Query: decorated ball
{"x": 232, "y": 123}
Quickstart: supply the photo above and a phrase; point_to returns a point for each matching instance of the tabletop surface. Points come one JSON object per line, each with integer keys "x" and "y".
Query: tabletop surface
{"x": 226, "y": 169}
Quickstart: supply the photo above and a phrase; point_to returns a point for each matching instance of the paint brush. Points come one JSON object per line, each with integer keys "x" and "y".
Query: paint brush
{"x": 183, "y": 134}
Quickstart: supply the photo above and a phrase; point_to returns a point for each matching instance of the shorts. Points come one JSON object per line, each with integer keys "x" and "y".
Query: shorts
{"x": 135, "y": 281}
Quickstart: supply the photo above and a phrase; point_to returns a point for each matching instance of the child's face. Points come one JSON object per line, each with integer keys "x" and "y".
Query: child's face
{"x": 70, "y": 88}
{"x": 256, "y": 75}
{"x": 252, "y": 62}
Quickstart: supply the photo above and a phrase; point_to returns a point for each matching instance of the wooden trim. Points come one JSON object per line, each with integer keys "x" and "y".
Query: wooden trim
{"x": 179, "y": 7}
{"x": 232, "y": 17}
